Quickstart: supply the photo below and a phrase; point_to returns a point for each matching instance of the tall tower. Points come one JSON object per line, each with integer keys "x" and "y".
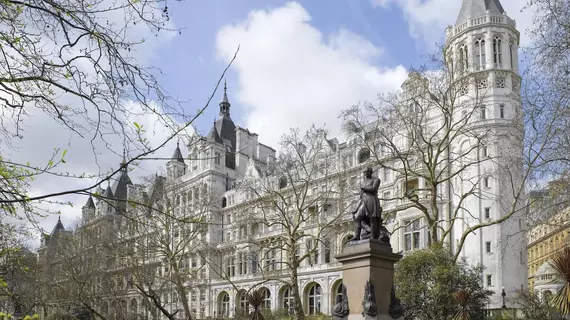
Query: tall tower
{"x": 482, "y": 49}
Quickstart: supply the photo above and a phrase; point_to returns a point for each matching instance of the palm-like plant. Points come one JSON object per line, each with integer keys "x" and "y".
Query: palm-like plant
{"x": 561, "y": 263}
{"x": 255, "y": 299}
{"x": 463, "y": 299}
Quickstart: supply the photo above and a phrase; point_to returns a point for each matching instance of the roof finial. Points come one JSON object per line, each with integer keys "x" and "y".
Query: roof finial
{"x": 59, "y": 218}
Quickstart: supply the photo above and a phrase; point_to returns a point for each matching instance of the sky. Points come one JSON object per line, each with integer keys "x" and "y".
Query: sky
{"x": 299, "y": 63}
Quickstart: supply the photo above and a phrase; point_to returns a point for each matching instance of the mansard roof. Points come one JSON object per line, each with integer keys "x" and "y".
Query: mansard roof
{"x": 478, "y": 8}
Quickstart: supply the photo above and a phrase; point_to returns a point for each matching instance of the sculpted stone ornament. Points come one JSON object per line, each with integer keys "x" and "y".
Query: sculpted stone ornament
{"x": 340, "y": 308}
{"x": 368, "y": 214}
{"x": 395, "y": 310}
{"x": 369, "y": 306}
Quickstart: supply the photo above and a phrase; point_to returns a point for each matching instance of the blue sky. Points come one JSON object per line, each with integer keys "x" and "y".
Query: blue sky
{"x": 397, "y": 34}
{"x": 191, "y": 65}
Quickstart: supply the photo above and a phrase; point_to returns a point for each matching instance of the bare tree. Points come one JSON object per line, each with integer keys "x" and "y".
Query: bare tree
{"x": 170, "y": 234}
{"x": 296, "y": 209}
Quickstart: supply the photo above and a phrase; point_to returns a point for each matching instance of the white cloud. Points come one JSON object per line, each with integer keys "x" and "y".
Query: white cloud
{"x": 290, "y": 75}
{"x": 427, "y": 19}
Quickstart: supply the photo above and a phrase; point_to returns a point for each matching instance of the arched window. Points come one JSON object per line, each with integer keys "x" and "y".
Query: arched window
{"x": 243, "y": 303}
{"x": 497, "y": 52}
{"x": 266, "y": 294}
{"x": 479, "y": 61}
{"x": 287, "y": 299}
{"x": 363, "y": 155}
{"x": 511, "y": 55}
{"x": 463, "y": 58}
{"x": 133, "y": 307}
{"x": 314, "y": 299}
{"x": 502, "y": 111}
{"x": 225, "y": 304}
{"x": 224, "y": 202}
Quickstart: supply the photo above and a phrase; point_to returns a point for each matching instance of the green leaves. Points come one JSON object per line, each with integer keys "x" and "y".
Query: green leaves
{"x": 432, "y": 286}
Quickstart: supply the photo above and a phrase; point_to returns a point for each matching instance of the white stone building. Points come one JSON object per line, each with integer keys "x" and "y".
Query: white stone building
{"x": 483, "y": 47}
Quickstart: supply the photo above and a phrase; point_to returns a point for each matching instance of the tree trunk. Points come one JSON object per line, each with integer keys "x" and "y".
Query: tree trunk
{"x": 298, "y": 302}
{"x": 181, "y": 291}
{"x": 434, "y": 215}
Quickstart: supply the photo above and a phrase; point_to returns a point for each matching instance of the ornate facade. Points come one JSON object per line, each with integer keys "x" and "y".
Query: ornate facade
{"x": 482, "y": 49}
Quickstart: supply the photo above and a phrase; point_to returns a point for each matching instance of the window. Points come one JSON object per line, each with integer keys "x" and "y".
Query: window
{"x": 497, "y": 53}
{"x": 487, "y": 213}
{"x": 230, "y": 266}
{"x": 502, "y": 111}
{"x": 489, "y": 280}
{"x": 314, "y": 299}
{"x": 463, "y": 58}
{"x": 327, "y": 250}
{"x": 412, "y": 235}
{"x": 412, "y": 187}
{"x": 287, "y": 299}
{"x": 479, "y": 62}
{"x": 243, "y": 304}
{"x": 194, "y": 262}
{"x": 225, "y": 304}
{"x": 511, "y": 55}
{"x": 217, "y": 158}
{"x": 387, "y": 176}
{"x": 269, "y": 261}
{"x": 266, "y": 294}
{"x": 363, "y": 155}
{"x": 488, "y": 247}
{"x": 486, "y": 183}
{"x": 483, "y": 113}
{"x": 484, "y": 152}
{"x": 386, "y": 197}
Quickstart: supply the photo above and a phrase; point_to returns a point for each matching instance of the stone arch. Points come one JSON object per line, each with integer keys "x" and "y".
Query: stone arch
{"x": 312, "y": 298}
{"x": 133, "y": 307}
{"x": 363, "y": 155}
{"x": 224, "y": 304}
{"x": 286, "y": 299}
{"x": 266, "y": 294}
{"x": 343, "y": 241}
{"x": 242, "y": 305}
{"x": 336, "y": 289}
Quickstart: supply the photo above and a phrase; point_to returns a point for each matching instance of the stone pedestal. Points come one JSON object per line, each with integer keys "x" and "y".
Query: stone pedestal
{"x": 368, "y": 260}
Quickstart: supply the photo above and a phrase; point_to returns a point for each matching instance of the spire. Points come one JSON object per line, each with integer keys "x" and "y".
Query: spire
{"x": 90, "y": 203}
{"x": 477, "y": 8}
{"x": 58, "y": 227}
{"x": 177, "y": 156}
{"x": 123, "y": 163}
{"x": 225, "y": 104}
{"x": 108, "y": 193}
